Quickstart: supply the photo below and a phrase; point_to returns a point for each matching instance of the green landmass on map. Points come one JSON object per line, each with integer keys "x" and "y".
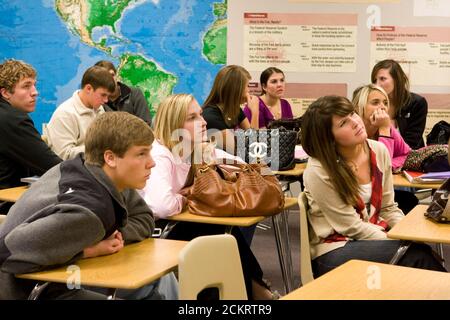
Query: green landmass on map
{"x": 215, "y": 39}
{"x": 133, "y": 70}
{"x": 105, "y": 13}
{"x": 137, "y": 71}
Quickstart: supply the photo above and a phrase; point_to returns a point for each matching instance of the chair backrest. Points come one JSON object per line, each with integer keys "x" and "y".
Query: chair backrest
{"x": 306, "y": 274}
{"x": 2, "y": 218}
{"x": 208, "y": 262}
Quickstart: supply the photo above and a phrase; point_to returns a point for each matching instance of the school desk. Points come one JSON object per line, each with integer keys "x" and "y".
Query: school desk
{"x": 365, "y": 280}
{"x": 280, "y": 232}
{"x": 132, "y": 267}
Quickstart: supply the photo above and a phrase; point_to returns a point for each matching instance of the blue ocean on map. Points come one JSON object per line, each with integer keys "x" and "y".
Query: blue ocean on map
{"x": 168, "y": 33}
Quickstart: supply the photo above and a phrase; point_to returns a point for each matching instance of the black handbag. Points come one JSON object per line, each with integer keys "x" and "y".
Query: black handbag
{"x": 275, "y": 147}
{"x": 439, "y": 134}
{"x": 439, "y": 209}
{"x": 294, "y": 124}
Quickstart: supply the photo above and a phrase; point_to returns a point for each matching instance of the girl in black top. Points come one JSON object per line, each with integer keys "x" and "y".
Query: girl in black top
{"x": 408, "y": 110}
{"x": 222, "y": 108}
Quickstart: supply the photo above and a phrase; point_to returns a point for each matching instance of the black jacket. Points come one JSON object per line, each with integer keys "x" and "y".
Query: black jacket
{"x": 411, "y": 121}
{"x": 131, "y": 100}
{"x": 22, "y": 151}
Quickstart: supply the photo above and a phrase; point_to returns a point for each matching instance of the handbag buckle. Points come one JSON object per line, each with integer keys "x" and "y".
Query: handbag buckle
{"x": 203, "y": 170}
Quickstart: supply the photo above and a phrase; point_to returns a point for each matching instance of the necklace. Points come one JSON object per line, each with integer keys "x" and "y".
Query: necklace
{"x": 275, "y": 108}
{"x": 276, "y": 112}
{"x": 353, "y": 166}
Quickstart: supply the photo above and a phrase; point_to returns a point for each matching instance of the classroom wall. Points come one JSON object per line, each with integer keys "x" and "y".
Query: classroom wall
{"x": 388, "y": 13}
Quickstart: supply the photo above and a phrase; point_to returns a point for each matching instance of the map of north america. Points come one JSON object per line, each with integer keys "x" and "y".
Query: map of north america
{"x": 160, "y": 46}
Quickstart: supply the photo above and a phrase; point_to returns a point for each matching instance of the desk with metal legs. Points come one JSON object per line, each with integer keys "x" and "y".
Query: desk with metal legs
{"x": 132, "y": 267}
{"x": 416, "y": 227}
{"x": 280, "y": 231}
{"x": 365, "y": 280}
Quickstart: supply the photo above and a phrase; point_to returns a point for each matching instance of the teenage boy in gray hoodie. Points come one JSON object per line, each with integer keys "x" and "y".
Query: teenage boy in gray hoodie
{"x": 85, "y": 207}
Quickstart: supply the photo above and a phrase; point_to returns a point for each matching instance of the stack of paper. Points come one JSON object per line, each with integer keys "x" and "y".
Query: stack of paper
{"x": 430, "y": 177}
{"x": 30, "y": 180}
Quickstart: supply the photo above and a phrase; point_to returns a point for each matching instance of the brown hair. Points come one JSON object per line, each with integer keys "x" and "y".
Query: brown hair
{"x": 401, "y": 95}
{"x": 108, "y": 65}
{"x": 98, "y": 77}
{"x": 265, "y": 75}
{"x": 116, "y": 131}
{"x": 12, "y": 71}
{"x": 227, "y": 91}
{"x": 318, "y": 142}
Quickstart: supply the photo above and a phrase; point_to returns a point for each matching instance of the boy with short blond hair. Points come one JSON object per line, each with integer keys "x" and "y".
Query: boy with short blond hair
{"x": 22, "y": 151}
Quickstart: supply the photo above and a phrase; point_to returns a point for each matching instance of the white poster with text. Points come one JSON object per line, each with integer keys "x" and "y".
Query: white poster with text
{"x": 296, "y": 42}
{"x": 423, "y": 52}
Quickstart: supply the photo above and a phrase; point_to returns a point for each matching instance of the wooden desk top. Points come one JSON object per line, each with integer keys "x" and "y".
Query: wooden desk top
{"x": 132, "y": 267}
{"x": 290, "y": 202}
{"x": 296, "y": 171}
{"x": 186, "y": 216}
{"x": 416, "y": 227}
{"x": 400, "y": 181}
{"x": 12, "y": 194}
{"x": 352, "y": 280}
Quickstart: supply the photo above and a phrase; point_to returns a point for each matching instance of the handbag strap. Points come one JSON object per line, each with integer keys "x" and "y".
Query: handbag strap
{"x": 446, "y": 212}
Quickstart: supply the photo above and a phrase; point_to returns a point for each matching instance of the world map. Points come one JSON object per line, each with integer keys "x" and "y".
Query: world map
{"x": 160, "y": 46}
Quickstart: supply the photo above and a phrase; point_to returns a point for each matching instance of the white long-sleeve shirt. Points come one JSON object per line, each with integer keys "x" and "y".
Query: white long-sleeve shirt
{"x": 67, "y": 127}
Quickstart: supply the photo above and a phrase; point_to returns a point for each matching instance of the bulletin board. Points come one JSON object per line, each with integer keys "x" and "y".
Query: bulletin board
{"x": 329, "y": 47}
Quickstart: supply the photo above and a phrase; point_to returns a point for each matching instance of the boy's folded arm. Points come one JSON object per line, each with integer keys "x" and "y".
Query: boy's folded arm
{"x": 54, "y": 240}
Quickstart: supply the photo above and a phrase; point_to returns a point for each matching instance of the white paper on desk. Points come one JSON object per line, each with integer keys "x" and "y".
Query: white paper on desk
{"x": 30, "y": 180}
{"x": 431, "y": 8}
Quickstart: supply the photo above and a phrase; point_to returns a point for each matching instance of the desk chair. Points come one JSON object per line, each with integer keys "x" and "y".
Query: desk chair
{"x": 208, "y": 262}
{"x": 306, "y": 274}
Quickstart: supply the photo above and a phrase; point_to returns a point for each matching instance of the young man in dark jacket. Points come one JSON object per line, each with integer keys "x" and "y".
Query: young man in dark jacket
{"x": 84, "y": 207}
{"x": 22, "y": 151}
{"x": 126, "y": 98}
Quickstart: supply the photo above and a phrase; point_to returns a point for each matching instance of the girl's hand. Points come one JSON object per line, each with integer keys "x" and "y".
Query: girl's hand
{"x": 380, "y": 118}
{"x": 253, "y": 103}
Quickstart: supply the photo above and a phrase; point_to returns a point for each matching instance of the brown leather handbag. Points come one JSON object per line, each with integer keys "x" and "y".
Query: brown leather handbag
{"x": 234, "y": 190}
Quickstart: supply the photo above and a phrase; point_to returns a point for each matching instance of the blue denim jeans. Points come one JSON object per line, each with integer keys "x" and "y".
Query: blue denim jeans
{"x": 418, "y": 255}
